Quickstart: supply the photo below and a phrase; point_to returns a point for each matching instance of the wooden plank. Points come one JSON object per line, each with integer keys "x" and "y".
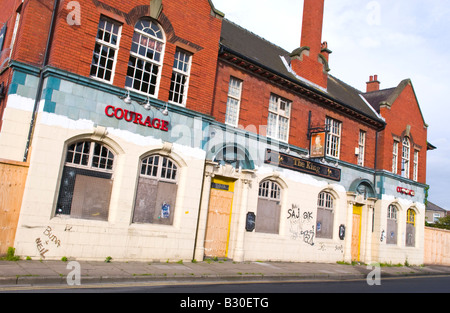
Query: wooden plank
{"x": 218, "y": 225}
{"x": 13, "y": 176}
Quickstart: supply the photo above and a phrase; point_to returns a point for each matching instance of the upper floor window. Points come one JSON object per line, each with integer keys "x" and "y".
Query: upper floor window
{"x": 334, "y": 128}
{"x": 146, "y": 58}
{"x": 406, "y": 151}
{"x": 278, "y": 120}
{"x": 233, "y": 101}
{"x": 395, "y": 158}
{"x": 416, "y": 166}
{"x": 86, "y": 181}
{"x": 105, "y": 50}
{"x": 180, "y": 77}
{"x": 361, "y": 147}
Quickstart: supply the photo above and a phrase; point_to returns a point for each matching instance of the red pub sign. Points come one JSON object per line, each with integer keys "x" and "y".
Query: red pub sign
{"x": 136, "y": 118}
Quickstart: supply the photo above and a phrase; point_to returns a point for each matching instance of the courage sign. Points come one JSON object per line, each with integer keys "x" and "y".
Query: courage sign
{"x": 136, "y": 118}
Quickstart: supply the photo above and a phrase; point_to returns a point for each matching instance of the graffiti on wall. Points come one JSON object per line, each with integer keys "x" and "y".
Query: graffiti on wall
{"x": 301, "y": 225}
{"x": 47, "y": 241}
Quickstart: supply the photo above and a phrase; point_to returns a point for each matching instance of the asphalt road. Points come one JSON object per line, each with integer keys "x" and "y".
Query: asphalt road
{"x": 424, "y": 284}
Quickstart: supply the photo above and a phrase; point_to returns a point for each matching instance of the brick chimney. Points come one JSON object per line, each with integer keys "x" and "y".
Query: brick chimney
{"x": 310, "y": 61}
{"x": 373, "y": 84}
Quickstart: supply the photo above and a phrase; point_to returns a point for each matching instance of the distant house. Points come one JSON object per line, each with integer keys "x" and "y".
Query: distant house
{"x": 434, "y": 212}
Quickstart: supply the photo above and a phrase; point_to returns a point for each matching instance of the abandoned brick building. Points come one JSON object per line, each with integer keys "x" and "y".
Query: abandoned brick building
{"x": 143, "y": 132}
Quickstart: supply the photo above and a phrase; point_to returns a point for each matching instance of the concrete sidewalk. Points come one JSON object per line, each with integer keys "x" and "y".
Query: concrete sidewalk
{"x": 40, "y": 273}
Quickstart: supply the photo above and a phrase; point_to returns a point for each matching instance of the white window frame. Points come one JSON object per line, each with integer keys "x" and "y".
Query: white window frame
{"x": 102, "y": 43}
{"x": 333, "y": 147}
{"x": 392, "y": 212}
{"x": 362, "y": 147}
{"x": 157, "y": 170}
{"x": 233, "y": 101}
{"x": 109, "y": 158}
{"x": 276, "y": 110}
{"x": 395, "y": 157}
{"x": 144, "y": 59}
{"x": 269, "y": 190}
{"x": 416, "y": 166}
{"x": 406, "y": 155}
{"x": 181, "y": 68}
{"x": 436, "y": 217}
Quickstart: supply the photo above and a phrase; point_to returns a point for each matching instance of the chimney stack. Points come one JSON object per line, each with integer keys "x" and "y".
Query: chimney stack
{"x": 312, "y": 25}
{"x": 310, "y": 61}
{"x": 373, "y": 84}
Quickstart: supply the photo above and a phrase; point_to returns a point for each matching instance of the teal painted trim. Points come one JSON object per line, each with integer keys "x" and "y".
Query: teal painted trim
{"x": 384, "y": 173}
{"x": 24, "y": 68}
{"x": 119, "y": 92}
{"x": 19, "y": 78}
{"x": 49, "y": 106}
{"x": 380, "y": 185}
{"x": 351, "y": 165}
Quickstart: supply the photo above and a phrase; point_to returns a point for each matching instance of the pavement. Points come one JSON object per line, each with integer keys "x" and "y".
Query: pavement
{"x": 45, "y": 273}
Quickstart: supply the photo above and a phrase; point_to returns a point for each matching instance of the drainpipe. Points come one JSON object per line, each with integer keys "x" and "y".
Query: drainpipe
{"x": 375, "y": 163}
{"x": 41, "y": 81}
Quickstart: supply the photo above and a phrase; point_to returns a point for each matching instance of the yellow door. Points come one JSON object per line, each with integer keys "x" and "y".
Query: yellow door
{"x": 219, "y": 218}
{"x": 356, "y": 233}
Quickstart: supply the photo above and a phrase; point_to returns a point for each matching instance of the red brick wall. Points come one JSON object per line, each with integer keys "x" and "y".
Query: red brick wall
{"x": 190, "y": 21}
{"x": 255, "y": 105}
{"x": 72, "y": 46}
{"x": 8, "y": 17}
{"x": 404, "y": 111}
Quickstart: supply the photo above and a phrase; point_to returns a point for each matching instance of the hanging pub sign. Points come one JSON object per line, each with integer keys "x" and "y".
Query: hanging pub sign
{"x": 317, "y": 145}
{"x": 284, "y": 160}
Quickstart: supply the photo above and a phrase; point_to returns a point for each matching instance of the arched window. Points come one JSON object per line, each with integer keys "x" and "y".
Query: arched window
{"x": 86, "y": 182}
{"x": 234, "y": 156}
{"x": 406, "y": 154}
{"x": 156, "y": 192}
{"x": 269, "y": 208}
{"x": 392, "y": 225}
{"x": 146, "y": 57}
{"x": 325, "y": 215}
{"x": 411, "y": 228}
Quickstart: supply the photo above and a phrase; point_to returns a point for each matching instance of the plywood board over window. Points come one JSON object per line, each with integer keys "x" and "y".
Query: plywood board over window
{"x": 156, "y": 192}
{"x": 86, "y": 182}
{"x": 269, "y": 208}
{"x": 91, "y": 197}
{"x": 155, "y": 202}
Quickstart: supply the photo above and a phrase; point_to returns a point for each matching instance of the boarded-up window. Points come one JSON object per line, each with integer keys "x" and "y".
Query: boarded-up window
{"x": 269, "y": 208}
{"x": 391, "y": 234}
{"x": 411, "y": 228}
{"x": 156, "y": 192}
{"x": 86, "y": 182}
{"x": 325, "y": 215}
